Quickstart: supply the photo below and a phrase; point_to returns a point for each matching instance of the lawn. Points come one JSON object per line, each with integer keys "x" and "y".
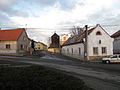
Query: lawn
{"x": 38, "y": 78}
{"x": 8, "y": 62}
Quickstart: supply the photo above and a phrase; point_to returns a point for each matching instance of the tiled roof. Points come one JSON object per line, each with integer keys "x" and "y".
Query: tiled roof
{"x": 55, "y": 35}
{"x": 116, "y": 34}
{"x": 11, "y": 34}
{"x": 77, "y": 38}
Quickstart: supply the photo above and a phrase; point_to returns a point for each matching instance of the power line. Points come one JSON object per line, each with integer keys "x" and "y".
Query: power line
{"x": 56, "y": 28}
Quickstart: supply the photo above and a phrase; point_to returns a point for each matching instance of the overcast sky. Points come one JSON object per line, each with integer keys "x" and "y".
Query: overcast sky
{"x": 51, "y": 15}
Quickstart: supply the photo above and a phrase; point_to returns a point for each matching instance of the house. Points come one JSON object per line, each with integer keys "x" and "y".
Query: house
{"x": 95, "y": 44}
{"x": 63, "y": 38}
{"x": 55, "y": 44}
{"x": 40, "y": 46}
{"x": 116, "y": 43}
{"x": 14, "y": 42}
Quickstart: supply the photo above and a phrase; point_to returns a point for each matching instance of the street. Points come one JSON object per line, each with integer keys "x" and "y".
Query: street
{"x": 95, "y": 74}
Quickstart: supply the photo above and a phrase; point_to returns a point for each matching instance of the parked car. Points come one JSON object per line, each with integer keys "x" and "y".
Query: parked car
{"x": 111, "y": 59}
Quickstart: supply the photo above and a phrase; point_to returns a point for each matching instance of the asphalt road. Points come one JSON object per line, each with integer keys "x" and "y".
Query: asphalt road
{"x": 95, "y": 74}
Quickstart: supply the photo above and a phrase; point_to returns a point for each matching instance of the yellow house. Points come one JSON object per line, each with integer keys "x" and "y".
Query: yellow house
{"x": 40, "y": 46}
{"x": 13, "y": 42}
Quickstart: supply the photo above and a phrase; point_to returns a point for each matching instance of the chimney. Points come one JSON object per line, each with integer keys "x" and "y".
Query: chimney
{"x": 97, "y": 24}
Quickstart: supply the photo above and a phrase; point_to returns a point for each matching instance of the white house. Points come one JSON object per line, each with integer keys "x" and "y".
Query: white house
{"x": 99, "y": 44}
{"x": 116, "y": 44}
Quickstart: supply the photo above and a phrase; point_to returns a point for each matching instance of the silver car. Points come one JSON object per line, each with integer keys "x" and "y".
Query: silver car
{"x": 112, "y": 59}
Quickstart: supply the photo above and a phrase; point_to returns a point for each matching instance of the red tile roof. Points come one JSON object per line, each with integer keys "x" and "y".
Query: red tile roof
{"x": 11, "y": 34}
{"x": 116, "y": 34}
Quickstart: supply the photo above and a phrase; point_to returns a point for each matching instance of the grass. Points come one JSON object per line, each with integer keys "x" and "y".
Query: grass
{"x": 7, "y": 62}
{"x": 38, "y": 78}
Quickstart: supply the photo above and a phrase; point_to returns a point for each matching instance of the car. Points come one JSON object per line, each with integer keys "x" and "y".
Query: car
{"x": 111, "y": 59}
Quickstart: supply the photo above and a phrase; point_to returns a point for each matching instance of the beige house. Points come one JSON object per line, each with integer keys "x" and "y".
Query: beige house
{"x": 40, "y": 46}
{"x": 14, "y": 42}
{"x": 63, "y": 38}
{"x": 99, "y": 44}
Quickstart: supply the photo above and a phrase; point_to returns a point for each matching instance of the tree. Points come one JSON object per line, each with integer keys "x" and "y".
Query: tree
{"x": 76, "y": 30}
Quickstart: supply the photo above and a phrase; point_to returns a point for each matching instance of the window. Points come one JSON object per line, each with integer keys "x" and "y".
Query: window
{"x": 67, "y": 50}
{"x": 80, "y": 51}
{"x": 95, "y": 50}
{"x": 21, "y": 47}
{"x": 98, "y": 33}
{"x": 104, "y": 50}
{"x": 99, "y": 41}
{"x": 7, "y": 46}
{"x": 72, "y": 50}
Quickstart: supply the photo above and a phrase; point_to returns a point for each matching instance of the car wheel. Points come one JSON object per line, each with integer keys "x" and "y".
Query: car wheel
{"x": 107, "y": 62}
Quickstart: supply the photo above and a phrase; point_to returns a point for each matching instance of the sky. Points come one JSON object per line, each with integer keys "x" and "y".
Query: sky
{"x": 44, "y": 17}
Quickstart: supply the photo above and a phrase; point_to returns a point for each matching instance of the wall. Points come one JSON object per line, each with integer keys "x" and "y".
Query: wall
{"x": 23, "y": 40}
{"x": 116, "y": 45}
{"x": 67, "y": 50}
{"x": 63, "y": 38}
{"x": 12, "y": 49}
{"x": 56, "y": 50}
{"x": 106, "y": 41}
{"x": 40, "y": 46}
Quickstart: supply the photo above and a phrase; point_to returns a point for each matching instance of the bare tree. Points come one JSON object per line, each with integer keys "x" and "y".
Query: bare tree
{"x": 76, "y": 30}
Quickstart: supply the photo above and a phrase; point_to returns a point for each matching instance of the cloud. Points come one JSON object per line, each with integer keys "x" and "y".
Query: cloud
{"x": 58, "y": 13}
{"x": 62, "y": 4}
{"x": 6, "y": 2}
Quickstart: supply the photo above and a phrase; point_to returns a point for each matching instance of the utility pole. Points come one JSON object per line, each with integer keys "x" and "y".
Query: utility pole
{"x": 86, "y": 58}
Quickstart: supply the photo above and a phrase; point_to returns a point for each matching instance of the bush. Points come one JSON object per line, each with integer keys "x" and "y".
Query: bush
{"x": 37, "y": 78}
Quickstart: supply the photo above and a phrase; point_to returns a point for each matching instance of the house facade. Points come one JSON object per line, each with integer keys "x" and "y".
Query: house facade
{"x": 99, "y": 44}
{"x": 63, "y": 38}
{"x": 40, "y": 46}
{"x": 116, "y": 43}
{"x": 55, "y": 44}
{"x": 13, "y": 42}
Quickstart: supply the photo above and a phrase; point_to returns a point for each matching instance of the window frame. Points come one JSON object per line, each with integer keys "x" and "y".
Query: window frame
{"x": 8, "y": 46}
{"x": 72, "y": 50}
{"x": 79, "y": 50}
{"x": 104, "y": 50}
{"x": 100, "y": 41}
{"x": 95, "y": 52}
{"x": 98, "y": 33}
{"x": 21, "y": 47}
